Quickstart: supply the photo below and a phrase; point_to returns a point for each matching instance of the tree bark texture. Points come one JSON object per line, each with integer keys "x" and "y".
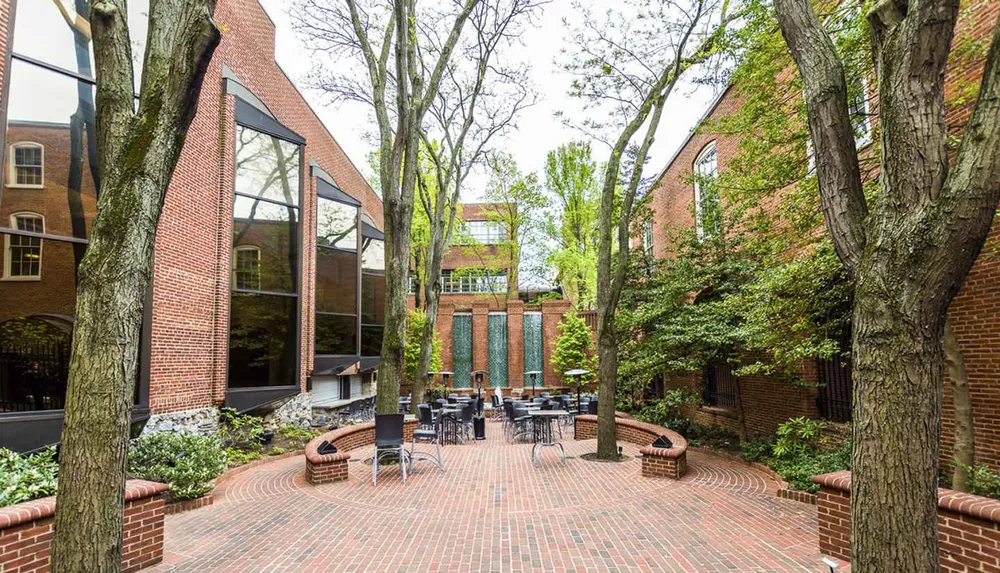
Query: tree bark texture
{"x": 964, "y": 448}
{"x": 137, "y": 155}
{"x": 909, "y": 252}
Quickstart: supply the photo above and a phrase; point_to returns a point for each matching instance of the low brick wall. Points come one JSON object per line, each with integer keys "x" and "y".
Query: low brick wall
{"x": 656, "y": 462}
{"x": 968, "y": 525}
{"x": 26, "y": 530}
{"x": 333, "y": 467}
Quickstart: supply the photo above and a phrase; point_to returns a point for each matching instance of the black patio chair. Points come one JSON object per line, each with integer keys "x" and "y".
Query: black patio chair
{"x": 521, "y": 422}
{"x": 467, "y": 413}
{"x": 425, "y": 435}
{"x": 426, "y": 420}
{"x": 389, "y": 442}
{"x": 592, "y": 407}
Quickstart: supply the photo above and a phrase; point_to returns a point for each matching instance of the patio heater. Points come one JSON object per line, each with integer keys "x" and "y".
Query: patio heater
{"x": 479, "y": 375}
{"x": 534, "y": 379}
{"x": 577, "y": 373}
{"x": 479, "y": 423}
{"x": 444, "y": 378}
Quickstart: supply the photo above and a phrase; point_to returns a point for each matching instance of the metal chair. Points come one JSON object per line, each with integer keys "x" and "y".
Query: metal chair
{"x": 389, "y": 441}
{"x": 466, "y": 420}
{"x": 592, "y": 407}
{"x": 432, "y": 435}
{"x": 426, "y": 420}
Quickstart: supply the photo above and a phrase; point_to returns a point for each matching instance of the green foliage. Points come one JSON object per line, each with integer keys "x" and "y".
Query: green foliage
{"x": 757, "y": 449}
{"x": 411, "y": 354}
{"x": 667, "y": 410}
{"x": 186, "y": 462}
{"x": 574, "y": 348}
{"x": 276, "y": 451}
{"x": 294, "y": 433}
{"x": 799, "y": 437}
{"x": 983, "y": 481}
{"x": 24, "y": 478}
{"x": 240, "y": 431}
{"x": 798, "y": 471}
{"x": 239, "y": 456}
{"x": 571, "y": 176}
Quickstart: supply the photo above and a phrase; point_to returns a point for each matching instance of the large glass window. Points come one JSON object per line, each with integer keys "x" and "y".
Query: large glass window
{"x": 482, "y": 232}
{"x": 336, "y": 278}
{"x": 473, "y": 281}
{"x": 372, "y": 296}
{"x": 706, "y": 169}
{"x": 264, "y": 313}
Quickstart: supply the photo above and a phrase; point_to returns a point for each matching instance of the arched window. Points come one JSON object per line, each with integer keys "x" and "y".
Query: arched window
{"x": 706, "y": 168}
{"x": 246, "y": 268}
{"x": 27, "y": 165}
{"x": 23, "y": 253}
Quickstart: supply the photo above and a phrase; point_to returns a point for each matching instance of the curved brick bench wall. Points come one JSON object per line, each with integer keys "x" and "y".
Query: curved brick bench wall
{"x": 968, "y": 525}
{"x": 26, "y": 530}
{"x": 656, "y": 462}
{"x": 333, "y": 467}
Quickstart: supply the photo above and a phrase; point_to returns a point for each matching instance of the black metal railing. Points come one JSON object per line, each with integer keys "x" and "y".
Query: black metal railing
{"x": 33, "y": 376}
{"x": 720, "y": 385}
{"x": 834, "y": 398}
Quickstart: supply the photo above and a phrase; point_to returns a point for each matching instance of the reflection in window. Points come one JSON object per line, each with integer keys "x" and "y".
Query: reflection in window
{"x": 263, "y": 345}
{"x": 336, "y": 281}
{"x": 36, "y": 329}
{"x": 23, "y": 254}
{"x": 266, "y": 167}
{"x": 51, "y": 159}
{"x": 706, "y": 169}
{"x": 336, "y": 334}
{"x": 371, "y": 339}
{"x": 27, "y": 164}
{"x": 373, "y": 255}
{"x": 337, "y": 225}
{"x": 246, "y": 268}
{"x": 273, "y": 230}
{"x": 372, "y": 298}
{"x": 263, "y": 328}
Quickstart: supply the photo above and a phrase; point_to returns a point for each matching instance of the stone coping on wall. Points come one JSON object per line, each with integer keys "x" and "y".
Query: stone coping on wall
{"x": 966, "y": 504}
{"x": 34, "y": 510}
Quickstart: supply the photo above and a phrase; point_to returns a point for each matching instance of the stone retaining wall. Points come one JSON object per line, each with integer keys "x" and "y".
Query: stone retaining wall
{"x": 968, "y": 525}
{"x": 26, "y": 530}
{"x": 656, "y": 462}
{"x": 333, "y": 467}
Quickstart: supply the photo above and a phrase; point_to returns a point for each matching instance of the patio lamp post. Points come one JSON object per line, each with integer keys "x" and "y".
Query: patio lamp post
{"x": 534, "y": 378}
{"x": 578, "y": 373}
{"x": 444, "y": 377}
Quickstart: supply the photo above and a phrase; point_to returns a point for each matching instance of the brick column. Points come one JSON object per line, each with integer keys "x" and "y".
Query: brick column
{"x": 552, "y": 313}
{"x": 444, "y": 325}
{"x": 515, "y": 343}
{"x": 480, "y": 334}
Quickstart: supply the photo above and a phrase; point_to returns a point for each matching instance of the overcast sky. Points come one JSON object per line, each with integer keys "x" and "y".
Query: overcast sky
{"x": 538, "y": 131}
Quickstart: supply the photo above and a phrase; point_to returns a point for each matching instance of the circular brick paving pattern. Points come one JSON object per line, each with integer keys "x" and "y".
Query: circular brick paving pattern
{"x": 493, "y": 510}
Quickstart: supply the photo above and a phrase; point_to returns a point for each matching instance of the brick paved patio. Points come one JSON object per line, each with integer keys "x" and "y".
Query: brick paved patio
{"x": 494, "y": 511}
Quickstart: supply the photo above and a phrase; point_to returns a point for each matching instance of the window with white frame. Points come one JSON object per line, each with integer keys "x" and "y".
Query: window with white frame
{"x": 485, "y": 232}
{"x": 473, "y": 282}
{"x": 647, "y": 239}
{"x": 706, "y": 168}
{"x": 27, "y": 165}
{"x": 23, "y": 254}
{"x": 246, "y": 268}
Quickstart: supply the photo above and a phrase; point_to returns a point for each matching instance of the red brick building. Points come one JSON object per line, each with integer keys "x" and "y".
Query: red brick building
{"x": 975, "y": 313}
{"x": 269, "y": 268}
{"x": 482, "y": 324}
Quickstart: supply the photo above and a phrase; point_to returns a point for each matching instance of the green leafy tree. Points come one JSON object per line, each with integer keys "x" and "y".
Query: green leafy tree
{"x": 414, "y": 326}
{"x": 574, "y": 349}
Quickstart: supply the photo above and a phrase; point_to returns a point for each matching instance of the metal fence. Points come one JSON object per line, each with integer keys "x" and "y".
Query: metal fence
{"x": 33, "y": 376}
{"x": 720, "y": 385}
{"x": 834, "y": 398}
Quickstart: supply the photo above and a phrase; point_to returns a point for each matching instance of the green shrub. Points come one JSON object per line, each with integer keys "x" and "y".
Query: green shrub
{"x": 297, "y": 433}
{"x": 186, "y": 462}
{"x": 239, "y": 457}
{"x": 276, "y": 451}
{"x": 411, "y": 354}
{"x": 982, "y": 481}
{"x": 661, "y": 412}
{"x": 683, "y": 426}
{"x": 574, "y": 349}
{"x": 757, "y": 449}
{"x": 24, "y": 478}
{"x": 241, "y": 431}
{"x": 797, "y": 437}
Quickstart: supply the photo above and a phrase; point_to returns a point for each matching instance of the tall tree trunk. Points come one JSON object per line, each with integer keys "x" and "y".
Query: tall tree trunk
{"x": 897, "y": 412}
{"x": 137, "y": 155}
{"x": 964, "y": 450}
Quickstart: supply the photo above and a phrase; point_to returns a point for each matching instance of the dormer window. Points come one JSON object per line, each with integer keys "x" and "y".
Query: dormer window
{"x": 27, "y": 165}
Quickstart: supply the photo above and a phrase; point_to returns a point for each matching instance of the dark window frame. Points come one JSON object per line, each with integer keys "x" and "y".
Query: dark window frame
{"x": 319, "y": 183}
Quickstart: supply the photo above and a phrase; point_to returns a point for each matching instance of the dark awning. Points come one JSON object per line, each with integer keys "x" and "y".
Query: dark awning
{"x": 249, "y": 116}
{"x": 371, "y": 232}
{"x": 335, "y": 365}
{"x": 326, "y": 190}
{"x": 369, "y": 363}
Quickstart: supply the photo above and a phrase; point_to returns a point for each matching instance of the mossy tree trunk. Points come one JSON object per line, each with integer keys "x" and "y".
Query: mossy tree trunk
{"x": 137, "y": 153}
{"x": 964, "y": 449}
{"x": 909, "y": 252}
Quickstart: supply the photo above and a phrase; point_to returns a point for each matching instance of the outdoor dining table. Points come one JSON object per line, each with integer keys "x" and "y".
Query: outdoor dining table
{"x": 547, "y": 439}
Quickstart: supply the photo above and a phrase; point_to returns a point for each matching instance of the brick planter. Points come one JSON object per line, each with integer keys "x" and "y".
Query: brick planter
{"x": 333, "y": 467}
{"x": 188, "y": 504}
{"x": 26, "y": 530}
{"x": 656, "y": 462}
{"x": 968, "y": 525}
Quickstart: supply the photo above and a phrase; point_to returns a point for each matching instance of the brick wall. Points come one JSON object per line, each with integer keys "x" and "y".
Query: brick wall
{"x": 975, "y": 312}
{"x": 656, "y": 462}
{"x": 26, "y": 530}
{"x": 333, "y": 467}
{"x": 968, "y": 526}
